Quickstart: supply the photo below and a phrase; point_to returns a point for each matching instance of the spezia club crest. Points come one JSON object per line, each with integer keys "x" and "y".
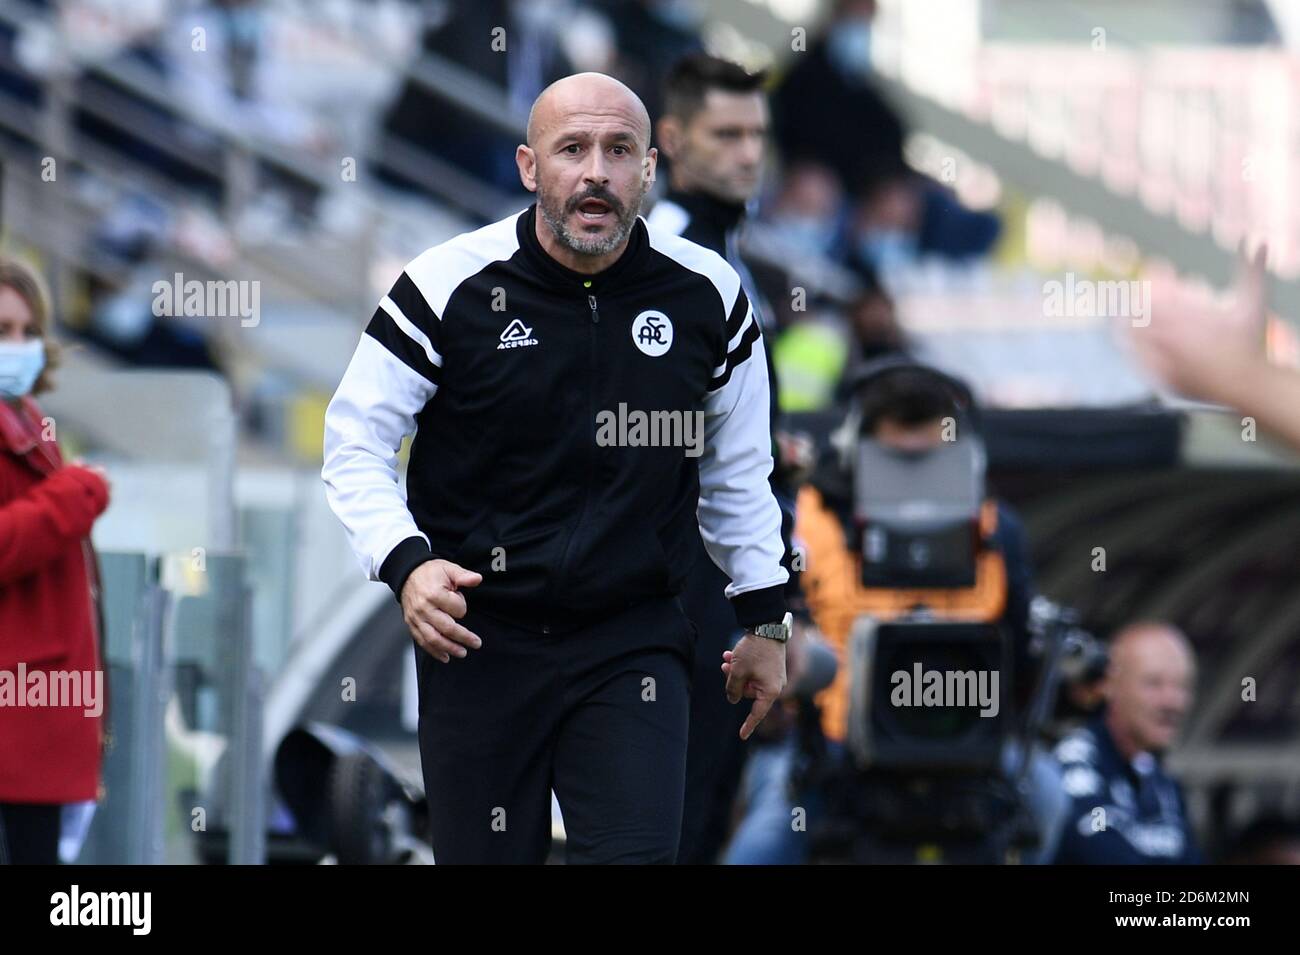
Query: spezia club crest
{"x": 653, "y": 333}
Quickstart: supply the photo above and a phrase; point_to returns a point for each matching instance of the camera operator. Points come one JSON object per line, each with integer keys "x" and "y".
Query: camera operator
{"x": 909, "y": 410}
{"x": 1124, "y": 809}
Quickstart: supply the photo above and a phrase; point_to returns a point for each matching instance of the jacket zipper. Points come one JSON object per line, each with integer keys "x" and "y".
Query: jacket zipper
{"x": 591, "y": 421}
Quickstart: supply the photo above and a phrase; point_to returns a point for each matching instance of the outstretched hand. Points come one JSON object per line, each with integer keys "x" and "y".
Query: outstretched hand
{"x": 1202, "y": 348}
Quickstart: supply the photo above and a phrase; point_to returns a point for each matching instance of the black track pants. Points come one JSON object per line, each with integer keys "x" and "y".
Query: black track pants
{"x": 599, "y": 715}
{"x": 30, "y": 832}
{"x": 715, "y": 754}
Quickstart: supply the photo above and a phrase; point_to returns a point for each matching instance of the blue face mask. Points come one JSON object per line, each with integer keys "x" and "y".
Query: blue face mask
{"x": 542, "y": 15}
{"x": 806, "y": 233}
{"x": 849, "y": 47}
{"x": 20, "y": 366}
{"x": 889, "y": 250}
{"x": 244, "y": 26}
{"x": 683, "y": 14}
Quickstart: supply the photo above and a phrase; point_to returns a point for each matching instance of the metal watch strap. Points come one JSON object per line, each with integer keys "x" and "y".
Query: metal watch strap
{"x": 776, "y": 631}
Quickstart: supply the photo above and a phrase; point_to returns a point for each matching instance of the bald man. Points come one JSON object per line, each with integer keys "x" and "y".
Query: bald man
{"x": 1125, "y": 808}
{"x": 587, "y": 394}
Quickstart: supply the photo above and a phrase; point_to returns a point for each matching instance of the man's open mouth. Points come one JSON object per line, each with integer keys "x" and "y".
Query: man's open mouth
{"x": 594, "y": 210}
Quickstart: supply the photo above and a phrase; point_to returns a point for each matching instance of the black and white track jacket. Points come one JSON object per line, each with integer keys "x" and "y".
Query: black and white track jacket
{"x": 522, "y": 380}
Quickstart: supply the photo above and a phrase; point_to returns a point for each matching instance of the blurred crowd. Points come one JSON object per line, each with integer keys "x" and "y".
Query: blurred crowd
{"x": 834, "y": 195}
{"x": 833, "y": 192}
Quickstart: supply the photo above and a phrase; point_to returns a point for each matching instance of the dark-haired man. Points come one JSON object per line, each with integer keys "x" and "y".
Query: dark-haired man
{"x": 714, "y": 132}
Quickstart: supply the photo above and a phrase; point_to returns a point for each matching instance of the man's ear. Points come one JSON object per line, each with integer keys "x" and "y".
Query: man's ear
{"x": 526, "y": 160}
{"x": 648, "y": 166}
{"x": 1107, "y": 686}
{"x": 669, "y": 133}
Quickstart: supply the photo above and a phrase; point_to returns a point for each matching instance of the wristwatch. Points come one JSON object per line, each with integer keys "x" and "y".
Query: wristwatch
{"x": 779, "y": 631}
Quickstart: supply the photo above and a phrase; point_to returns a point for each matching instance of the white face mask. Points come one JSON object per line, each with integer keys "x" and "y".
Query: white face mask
{"x": 20, "y": 366}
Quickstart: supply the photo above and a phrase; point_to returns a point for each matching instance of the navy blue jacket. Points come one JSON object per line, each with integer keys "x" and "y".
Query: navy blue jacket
{"x": 1121, "y": 812}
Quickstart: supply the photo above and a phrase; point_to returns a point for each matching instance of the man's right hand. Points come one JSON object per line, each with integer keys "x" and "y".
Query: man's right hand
{"x": 431, "y": 605}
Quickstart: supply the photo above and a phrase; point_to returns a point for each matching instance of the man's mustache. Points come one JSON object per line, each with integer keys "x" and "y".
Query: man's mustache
{"x": 605, "y": 197}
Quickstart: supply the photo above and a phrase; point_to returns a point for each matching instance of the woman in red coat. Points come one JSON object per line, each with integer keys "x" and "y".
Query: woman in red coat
{"x": 52, "y": 687}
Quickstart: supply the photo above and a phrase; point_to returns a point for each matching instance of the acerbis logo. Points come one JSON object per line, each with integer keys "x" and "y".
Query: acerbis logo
{"x": 652, "y": 332}
{"x": 516, "y": 335}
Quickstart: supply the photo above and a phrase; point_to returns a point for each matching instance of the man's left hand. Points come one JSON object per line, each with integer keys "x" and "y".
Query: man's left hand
{"x": 755, "y": 669}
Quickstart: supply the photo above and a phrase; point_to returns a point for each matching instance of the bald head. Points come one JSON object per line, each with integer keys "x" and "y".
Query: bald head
{"x": 1148, "y": 638}
{"x": 590, "y": 95}
{"x": 1149, "y": 684}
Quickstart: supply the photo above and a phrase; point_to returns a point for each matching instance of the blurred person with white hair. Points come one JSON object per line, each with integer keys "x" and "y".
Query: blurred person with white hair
{"x": 1125, "y": 809}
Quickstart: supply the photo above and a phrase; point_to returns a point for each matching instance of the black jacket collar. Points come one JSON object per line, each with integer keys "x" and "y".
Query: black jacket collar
{"x": 633, "y": 258}
{"x": 709, "y": 210}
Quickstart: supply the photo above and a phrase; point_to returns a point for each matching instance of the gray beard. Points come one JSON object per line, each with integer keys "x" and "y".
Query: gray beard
{"x": 595, "y": 246}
